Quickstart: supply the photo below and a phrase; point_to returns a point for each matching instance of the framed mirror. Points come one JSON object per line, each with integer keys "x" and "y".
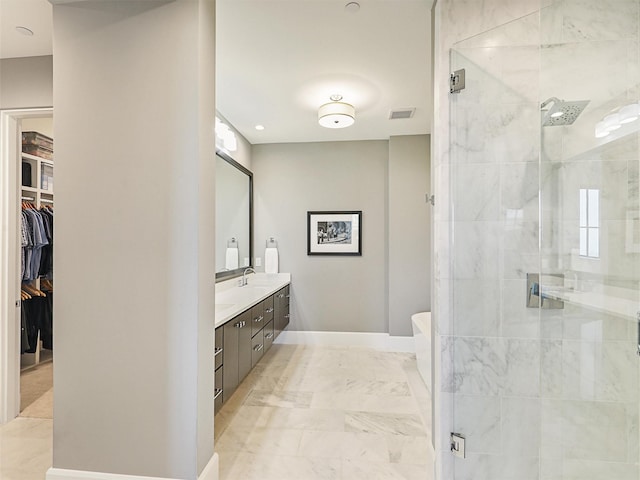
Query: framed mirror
{"x": 234, "y": 217}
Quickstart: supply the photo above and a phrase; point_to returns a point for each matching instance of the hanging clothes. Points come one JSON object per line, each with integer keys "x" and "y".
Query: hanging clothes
{"x": 46, "y": 260}
{"x": 36, "y": 262}
{"x": 35, "y": 233}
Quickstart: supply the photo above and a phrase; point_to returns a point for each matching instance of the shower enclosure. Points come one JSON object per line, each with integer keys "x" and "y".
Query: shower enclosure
{"x": 541, "y": 360}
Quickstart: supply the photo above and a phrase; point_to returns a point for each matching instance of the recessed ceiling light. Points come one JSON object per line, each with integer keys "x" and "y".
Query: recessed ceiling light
{"x": 259, "y": 127}
{"x": 25, "y": 31}
{"x": 352, "y": 7}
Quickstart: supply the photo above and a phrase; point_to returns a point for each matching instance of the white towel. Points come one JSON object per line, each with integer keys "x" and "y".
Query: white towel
{"x": 271, "y": 260}
{"x": 231, "y": 262}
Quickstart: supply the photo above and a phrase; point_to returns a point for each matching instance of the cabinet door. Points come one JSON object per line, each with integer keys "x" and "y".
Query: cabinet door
{"x": 286, "y": 308}
{"x": 230, "y": 377}
{"x": 218, "y": 396}
{"x": 244, "y": 345}
{"x": 257, "y": 347}
{"x": 278, "y": 313}
{"x": 257, "y": 318}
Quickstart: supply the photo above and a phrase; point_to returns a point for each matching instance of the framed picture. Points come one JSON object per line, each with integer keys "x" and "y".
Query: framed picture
{"x": 334, "y": 233}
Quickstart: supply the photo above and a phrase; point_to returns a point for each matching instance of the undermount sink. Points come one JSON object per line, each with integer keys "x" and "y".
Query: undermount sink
{"x": 257, "y": 288}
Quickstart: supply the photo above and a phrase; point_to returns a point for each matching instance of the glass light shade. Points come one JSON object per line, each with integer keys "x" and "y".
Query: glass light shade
{"x": 629, "y": 113}
{"x": 336, "y": 115}
{"x": 601, "y": 132}
{"x": 612, "y": 122}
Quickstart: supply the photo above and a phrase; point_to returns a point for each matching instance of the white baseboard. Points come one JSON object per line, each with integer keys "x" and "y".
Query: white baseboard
{"x": 210, "y": 472}
{"x": 379, "y": 341}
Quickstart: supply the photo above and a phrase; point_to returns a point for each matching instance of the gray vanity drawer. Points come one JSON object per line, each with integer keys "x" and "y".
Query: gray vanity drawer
{"x": 257, "y": 348}
{"x": 217, "y": 351}
{"x": 269, "y": 335}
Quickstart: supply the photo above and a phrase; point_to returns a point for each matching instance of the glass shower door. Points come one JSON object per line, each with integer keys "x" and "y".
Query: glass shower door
{"x": 541, "y": 366}
{"x": 590, "y": 260}
{"x": 493, "y": 347}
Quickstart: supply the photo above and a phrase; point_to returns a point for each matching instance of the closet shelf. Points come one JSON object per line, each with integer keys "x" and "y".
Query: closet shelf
{"x": 35, "y": 158}
{"x": 29, "y": 189}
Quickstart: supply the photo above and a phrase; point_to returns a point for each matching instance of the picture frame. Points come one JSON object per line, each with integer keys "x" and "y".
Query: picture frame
{"x": 334, "y": 233}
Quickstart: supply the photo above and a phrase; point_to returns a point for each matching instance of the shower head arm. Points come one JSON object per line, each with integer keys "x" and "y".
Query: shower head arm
{"x": 550, "y": 100}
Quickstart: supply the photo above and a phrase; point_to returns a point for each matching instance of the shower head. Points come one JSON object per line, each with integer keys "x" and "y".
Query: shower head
{"x": 561, "y": 112}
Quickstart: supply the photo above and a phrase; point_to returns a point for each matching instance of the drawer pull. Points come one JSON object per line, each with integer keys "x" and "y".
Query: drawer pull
{"x": 289, "y": 296}
{"x": 257, "y": 348}
{"x": 268, "y": 335}
{"x": 218, "y": 391}
{"x": 287, "y": 315}
{"x": 281, "y": 295}
{"x": 217, "y": 352}
{"x": 269, "y": 310}
{"x": 258, "y": 319}
{"x": 240, "y": 324}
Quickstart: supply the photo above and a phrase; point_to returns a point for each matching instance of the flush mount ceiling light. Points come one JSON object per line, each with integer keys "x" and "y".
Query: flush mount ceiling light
{"x": 336, "y": 114}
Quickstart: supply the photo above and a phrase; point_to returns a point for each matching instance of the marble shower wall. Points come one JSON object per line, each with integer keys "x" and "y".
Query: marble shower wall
{"x": 589, "y": 406}
{"x": 538, "y": 394}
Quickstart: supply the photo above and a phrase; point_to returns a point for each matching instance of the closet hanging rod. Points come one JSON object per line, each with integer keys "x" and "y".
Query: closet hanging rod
{"x": 28, "y": 198}
{"x": 44, "y": 200}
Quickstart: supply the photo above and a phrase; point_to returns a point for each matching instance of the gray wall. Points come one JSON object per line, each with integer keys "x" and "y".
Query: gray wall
{"x": 26, "y": 82}
{"x": 134, "y": 233}
{"x": 329, "y": 293}
{"x": 380, "y": 290}
{"x": 409, "y": 231}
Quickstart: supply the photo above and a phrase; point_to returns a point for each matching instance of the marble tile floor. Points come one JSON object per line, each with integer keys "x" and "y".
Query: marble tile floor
{"x": 311, "y": 412}
{"x": 26, "y": 446}
{"x": 303, "y": 413}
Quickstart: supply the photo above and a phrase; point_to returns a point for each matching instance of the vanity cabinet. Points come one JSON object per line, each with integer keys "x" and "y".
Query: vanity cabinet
{"x": 218, "y": 368}
{"x": 236, "y": 352}
{"x": 243, "y": 340}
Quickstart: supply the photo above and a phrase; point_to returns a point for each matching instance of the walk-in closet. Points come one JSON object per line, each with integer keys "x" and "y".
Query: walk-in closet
{"x": 35, "y": 248}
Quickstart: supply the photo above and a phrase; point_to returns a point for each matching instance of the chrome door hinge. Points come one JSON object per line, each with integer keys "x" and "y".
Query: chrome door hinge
{"x": 457, "y": 445}
{"x": 430, "y": 199}
{"x": 456, "y": 81}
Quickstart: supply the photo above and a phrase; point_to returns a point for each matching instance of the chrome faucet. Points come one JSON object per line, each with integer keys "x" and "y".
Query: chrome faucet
{"x": 244, "y": 275}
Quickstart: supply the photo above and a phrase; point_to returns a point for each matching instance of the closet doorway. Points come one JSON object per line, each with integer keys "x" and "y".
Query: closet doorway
{"x": 31, "y": 354}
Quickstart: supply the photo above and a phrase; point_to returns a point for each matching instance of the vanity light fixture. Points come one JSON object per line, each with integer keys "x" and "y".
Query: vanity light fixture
{"x": 336, "y": 114}
{"x": 225, "y": 138}
{"x": 629, "y": 113}
{"x": 612, "y": 122}
{"x": 601, "y": 131}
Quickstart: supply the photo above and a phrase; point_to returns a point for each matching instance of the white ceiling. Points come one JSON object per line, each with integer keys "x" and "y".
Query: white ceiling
{"x": 279, "y": 60}
{"x": 33, "y": 14}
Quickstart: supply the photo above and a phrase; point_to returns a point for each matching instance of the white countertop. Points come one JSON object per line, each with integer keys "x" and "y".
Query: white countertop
{"x": 621, "y": 302}
{"x": 232, "y": 299}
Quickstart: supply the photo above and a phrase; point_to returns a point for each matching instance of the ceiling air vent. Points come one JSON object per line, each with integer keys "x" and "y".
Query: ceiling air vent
{"x": 401, "y": 113}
